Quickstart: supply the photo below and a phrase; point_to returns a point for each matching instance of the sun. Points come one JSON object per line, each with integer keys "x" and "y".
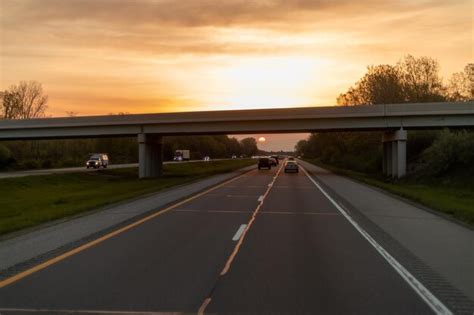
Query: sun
{"x": 262, "y": 139}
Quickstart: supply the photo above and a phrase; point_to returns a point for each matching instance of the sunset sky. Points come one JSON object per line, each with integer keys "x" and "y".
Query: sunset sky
{"x": 108, "y": 56}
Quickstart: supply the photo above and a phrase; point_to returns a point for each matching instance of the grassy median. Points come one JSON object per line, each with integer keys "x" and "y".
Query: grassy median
{"x": 452, "y": 195}
{"x": 30, "y": 201}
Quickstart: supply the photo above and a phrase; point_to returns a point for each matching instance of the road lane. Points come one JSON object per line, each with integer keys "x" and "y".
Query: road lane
{"x": 303, "y": 256}
{"x": 299, "y": 256}
{"x": 169, "y": 263}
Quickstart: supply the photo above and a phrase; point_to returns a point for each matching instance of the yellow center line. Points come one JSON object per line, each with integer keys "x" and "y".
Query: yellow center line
{"x": 228, "y": 264}
{"x": 76, "y": 250}
{"x": 252, "y": 219}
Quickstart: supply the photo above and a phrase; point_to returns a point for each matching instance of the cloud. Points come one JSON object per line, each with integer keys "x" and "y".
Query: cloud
{"x": 179, "y": 13}
{"x": 149, "y": 50}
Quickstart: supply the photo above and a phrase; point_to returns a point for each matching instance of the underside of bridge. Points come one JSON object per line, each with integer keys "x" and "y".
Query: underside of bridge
{"x": 394, "y": 154}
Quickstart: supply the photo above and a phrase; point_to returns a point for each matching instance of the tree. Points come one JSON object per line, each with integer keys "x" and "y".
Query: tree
{"x": 249, "y": 146}
{"x": 411, "y": 80}
{"x": 301, "y": 147}
{"x": 380, "y": 85}
{"x": 24, "y": 101}
{"x": 461, "y": 85}
{"x": 420, "y": 81}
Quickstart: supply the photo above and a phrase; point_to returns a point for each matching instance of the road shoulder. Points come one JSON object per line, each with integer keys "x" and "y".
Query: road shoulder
{"x": 439, "y": 250}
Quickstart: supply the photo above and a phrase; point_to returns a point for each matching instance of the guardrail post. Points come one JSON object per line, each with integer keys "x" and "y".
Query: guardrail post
{"x": 395, "y": 153}
{"x": 150, "y": 155}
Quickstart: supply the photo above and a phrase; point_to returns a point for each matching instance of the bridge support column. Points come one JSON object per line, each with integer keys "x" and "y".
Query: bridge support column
{"x": 150, "y": 155}
{"x": 395, "y": 153}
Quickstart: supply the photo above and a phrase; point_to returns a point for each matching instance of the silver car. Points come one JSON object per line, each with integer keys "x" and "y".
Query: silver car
{"x": 291, "y": 166}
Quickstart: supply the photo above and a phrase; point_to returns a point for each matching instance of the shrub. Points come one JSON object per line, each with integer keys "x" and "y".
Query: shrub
{"x": 47, "y": 164}
{"x": 32, "y": 164}
{"x": 5, "y": 157}
{"x": 451, "y": 149}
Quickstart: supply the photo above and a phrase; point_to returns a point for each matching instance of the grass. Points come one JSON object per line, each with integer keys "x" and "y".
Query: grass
{"x": 30, "y": 201}
{"x": 452, "y": 194}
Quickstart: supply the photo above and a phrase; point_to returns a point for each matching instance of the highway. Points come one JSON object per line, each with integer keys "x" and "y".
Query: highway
{"x": 80, "y": 169}
{"x": 263, "y": 242}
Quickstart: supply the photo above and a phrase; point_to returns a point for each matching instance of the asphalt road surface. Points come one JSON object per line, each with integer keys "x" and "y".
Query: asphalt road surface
{"x": 76, "y": 169}
{"x": 264, "y": 242}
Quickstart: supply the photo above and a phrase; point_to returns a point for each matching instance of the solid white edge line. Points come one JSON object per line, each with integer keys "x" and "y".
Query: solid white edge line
{"x": 433, "y": 302}
{"x": 239, "y": 232}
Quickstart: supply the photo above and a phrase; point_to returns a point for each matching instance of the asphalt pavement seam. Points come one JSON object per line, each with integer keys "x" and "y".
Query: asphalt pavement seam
{"x": 433, "y": 302}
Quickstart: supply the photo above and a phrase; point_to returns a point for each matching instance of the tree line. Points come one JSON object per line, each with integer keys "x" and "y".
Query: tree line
{"x": 411, "y": 80}
{"x": 27, "y": 100}
{"x": 74, "y": 152}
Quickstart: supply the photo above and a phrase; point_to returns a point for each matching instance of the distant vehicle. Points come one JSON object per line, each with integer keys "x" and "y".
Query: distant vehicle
{"x": 234, "y": 156}
{"x": 97, "y": 160}
{"x": 291, "y": 158}
{"x": 183, "y": 154}
{"x": 299, "y": 156}
{"x": 291, "y": 166}
{"x": 276, "y": 158}
{"x": 273, "y": 161}
{"x": 264, "y": 162}
{"x": 207, "y": 158}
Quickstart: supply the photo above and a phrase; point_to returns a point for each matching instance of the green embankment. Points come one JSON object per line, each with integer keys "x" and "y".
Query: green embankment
{"x": 30, "y": 201}
{"x": 452, "y": 194}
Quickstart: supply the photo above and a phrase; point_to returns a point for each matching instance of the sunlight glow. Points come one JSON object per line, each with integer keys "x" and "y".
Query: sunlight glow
{"x": 269, "y": 82}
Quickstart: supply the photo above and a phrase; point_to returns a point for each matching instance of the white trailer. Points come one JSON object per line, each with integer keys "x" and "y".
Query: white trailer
{"x": 181, "y": 155}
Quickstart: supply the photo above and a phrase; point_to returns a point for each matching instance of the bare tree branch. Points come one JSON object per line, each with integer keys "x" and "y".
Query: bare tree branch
{"x": 24, "y": 101}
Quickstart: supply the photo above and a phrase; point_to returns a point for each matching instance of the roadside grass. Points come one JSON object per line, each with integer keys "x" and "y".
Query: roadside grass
{"x": 452, "y": 195}
{"x": 30, "y": 201}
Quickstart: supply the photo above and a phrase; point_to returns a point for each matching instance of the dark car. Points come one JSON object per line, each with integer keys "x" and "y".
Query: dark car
{"x": 276, "y": 158}
{"x": 273, "y": 161}
{"x": 264, "y": 163}
{"x": 97, "y": 160}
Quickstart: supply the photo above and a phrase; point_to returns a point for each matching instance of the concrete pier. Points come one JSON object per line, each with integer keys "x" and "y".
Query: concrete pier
{"x": 150, "y": 155}
{"x": 395, "y": 153}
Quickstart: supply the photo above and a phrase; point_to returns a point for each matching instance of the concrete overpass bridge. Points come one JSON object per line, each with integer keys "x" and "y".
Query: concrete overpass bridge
{"x": 393, "y": 119}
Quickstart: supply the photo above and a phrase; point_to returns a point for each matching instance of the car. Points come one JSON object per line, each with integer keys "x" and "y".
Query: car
{"x": 264, "y": 162}
{"x": 97, "y": 160}
{"x": 276, "y": 158}
{"x": 291, "y": 158}
{"x": 291, "y": 166}
{"x": 273, "y": 161}
{"x": 207, "y": 158}
{"x": 234, "y": 156}
{"x": 178, "y": 158}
